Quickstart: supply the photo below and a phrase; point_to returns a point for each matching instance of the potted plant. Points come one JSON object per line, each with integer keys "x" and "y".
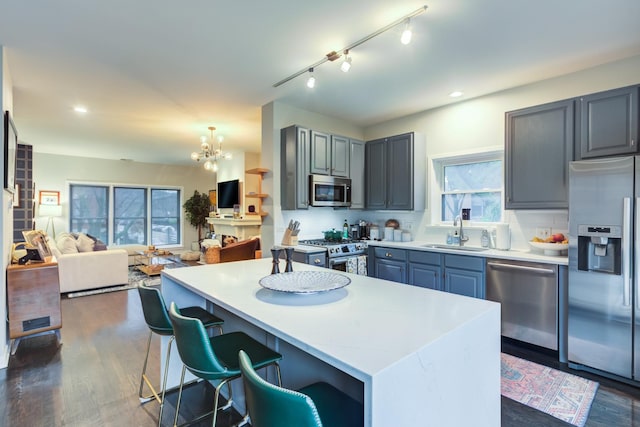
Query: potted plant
{"x": 197, "y": 210}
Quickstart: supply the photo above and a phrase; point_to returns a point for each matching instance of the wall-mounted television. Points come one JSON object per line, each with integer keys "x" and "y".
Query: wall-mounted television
{"x": 228, "y": 193}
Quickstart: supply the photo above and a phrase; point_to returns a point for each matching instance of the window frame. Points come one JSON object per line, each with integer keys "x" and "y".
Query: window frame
{"x": 148, "y": 220}
{"x": 438, "y": 164}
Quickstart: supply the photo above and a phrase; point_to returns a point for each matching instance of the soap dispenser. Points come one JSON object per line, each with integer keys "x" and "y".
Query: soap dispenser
{"x": 485, "y": 240}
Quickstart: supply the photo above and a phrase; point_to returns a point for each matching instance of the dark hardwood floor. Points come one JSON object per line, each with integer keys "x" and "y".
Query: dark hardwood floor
{"x": 92, "y": 378}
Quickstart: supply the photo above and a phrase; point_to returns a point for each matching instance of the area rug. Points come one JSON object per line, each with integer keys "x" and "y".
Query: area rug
{"x": 561, "y": 395}
{"x": 136, "y": 278}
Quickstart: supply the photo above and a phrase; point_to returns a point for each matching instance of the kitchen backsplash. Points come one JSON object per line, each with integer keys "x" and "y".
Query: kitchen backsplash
{"x": 523, "y": 224}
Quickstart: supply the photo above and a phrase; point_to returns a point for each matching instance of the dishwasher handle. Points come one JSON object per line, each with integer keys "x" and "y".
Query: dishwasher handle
{"x": 498, "y": 265}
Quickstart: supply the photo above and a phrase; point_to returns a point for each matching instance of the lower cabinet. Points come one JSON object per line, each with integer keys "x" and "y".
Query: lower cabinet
{"x": 425, "y": 270}
{"x": 316, "y": 258}
{"x": 390, "y": 264}
{"x": 464, "y": 275}
{"x": 457, "y": 274}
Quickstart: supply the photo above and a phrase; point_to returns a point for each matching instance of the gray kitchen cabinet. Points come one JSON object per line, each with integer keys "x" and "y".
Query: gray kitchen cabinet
{"x": 389, "y": 264}
{"x": 356, "y": 173}
{"x": 425, "y": 269}
{"x": 329, "y": 154}
{"x": 464, "y": 275}
{"x": 294, "y": 167}
{"x": 315, "y": 258}
{"x": 608, "y": 123}
{"x": 538, "y": 148}
{"x": 395, "y": 173}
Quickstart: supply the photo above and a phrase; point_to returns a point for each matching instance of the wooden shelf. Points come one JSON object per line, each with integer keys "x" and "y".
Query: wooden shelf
{"x": 259, "y": 195}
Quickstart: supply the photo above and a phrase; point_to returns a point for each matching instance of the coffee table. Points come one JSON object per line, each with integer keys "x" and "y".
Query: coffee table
{"x": 152, "y": 263}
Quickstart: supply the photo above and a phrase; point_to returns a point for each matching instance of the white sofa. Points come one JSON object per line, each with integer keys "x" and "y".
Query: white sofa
{"x": 90, "y": 269}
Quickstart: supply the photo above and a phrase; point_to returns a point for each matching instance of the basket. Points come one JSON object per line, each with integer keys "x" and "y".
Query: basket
{"x": 212, "y": 255}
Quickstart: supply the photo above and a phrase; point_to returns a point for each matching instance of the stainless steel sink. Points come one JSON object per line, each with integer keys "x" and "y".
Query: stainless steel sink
{"x": 455, "y": 248}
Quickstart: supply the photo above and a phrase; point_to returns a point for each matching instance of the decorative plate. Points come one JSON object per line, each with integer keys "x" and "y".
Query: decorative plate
{"x": 550, "y": 248}
{"x": 304, "y": 282}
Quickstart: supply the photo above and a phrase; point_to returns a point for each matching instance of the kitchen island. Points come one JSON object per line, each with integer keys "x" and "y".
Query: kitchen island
{"x": 413, "y": 356}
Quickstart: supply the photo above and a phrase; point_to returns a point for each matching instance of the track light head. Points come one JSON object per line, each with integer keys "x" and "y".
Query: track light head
{"x": 405, "y": 38}
{"x": 311, "y": 81}
{"x": 346, "y": 63}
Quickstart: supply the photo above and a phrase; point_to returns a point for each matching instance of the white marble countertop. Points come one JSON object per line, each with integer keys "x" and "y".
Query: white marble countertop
{"x": 516, "y": 255}
{"x": 343, "y": 325}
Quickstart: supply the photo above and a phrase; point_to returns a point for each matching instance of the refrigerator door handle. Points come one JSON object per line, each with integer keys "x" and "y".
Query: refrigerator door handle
{"x": 626, "y": 251}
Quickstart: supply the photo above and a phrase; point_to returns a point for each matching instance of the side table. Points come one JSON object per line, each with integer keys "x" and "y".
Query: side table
{"x": 33, "y": 301}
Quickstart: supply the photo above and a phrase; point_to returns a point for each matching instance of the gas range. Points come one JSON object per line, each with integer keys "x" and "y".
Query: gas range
{"x": 346, "y": 247}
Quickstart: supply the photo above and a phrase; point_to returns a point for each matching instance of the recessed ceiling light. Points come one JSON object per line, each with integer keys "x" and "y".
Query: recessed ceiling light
{"x": 80, "y": 109}
{"x": 456, "y": 94}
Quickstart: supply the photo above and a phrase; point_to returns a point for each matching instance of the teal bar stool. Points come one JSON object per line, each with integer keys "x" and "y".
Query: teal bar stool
{"x": 319, "y": 404}
{"x": 215, "y": 358}
{"x": 157, "y": 319}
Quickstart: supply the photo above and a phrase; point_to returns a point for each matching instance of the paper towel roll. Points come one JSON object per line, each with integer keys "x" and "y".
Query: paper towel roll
{"x": 503, "y": 237}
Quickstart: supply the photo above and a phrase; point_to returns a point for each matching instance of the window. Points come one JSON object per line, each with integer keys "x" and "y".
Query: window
{"x": 471, "y": 181}
{"x": 127, "y": 215}
{"x": 165, "y": 217}
{"x": 89, "y": 210}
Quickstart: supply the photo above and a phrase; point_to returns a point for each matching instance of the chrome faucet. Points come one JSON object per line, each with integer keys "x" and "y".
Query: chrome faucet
{"x": 461, "y": 237}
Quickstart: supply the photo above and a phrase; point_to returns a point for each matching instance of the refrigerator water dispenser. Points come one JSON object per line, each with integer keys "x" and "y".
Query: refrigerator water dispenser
{"x": 599, "y": 249}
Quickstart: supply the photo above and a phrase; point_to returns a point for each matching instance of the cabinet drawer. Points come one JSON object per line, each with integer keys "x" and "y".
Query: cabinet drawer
{"x": 425, "y": 257}
{"x": 464, "y": 262}
{"x": 388, "y": 253}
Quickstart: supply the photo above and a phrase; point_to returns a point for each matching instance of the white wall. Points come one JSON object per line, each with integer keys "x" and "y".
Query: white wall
{"x": 55, "y": 172}
{"x": 6, "y": 213}
{"x": 479, "y": 123}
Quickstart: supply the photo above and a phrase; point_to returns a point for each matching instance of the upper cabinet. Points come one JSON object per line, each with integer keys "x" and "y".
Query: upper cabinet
{"x": 538, "y": 148}
{"x": 329, "y": 154}
{"x": 294, "y": 167}
{"x": 395, "y": 173}
{"x": 608, "y": 123}
{"x": 357, "y": 174}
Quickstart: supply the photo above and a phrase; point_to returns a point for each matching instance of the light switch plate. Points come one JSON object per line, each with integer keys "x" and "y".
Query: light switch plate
{"x": 543, "y": 232}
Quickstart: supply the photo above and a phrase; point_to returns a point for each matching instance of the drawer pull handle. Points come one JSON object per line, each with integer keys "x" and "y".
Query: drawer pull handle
{"x": 388, "y": 255}
{"x": 316, "y": 261}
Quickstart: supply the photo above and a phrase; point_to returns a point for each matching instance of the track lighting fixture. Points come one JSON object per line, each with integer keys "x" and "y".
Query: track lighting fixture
{"x": 405, "y": 38}
{"x": 346, "y": 63}
{"x": 311, "y": 81}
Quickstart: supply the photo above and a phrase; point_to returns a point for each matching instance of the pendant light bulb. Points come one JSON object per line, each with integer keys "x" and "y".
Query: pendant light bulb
{"x": 405, "y": 38}
{"x": 346, "y": 64}
{"x": 208, "y": 165}
{"x": 215, "y": 166}
{"x": 311, "y": 81}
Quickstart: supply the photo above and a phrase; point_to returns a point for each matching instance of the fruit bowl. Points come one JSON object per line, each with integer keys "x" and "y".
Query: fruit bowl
{"x": 551, "y": 248}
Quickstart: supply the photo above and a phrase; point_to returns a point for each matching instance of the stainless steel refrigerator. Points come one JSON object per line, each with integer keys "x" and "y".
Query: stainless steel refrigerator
{"x": 604, "y": 323}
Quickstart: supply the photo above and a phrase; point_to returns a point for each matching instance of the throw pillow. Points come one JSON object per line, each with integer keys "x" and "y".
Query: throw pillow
{"x": 67, "y": 244}
{"x": 84, "y": 243}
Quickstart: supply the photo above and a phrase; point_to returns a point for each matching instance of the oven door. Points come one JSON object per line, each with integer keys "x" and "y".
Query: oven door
{"x": 350, "y": 264}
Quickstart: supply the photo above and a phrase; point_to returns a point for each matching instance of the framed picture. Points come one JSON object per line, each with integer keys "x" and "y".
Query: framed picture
{"x": 10, "y": 145}
{"x": 37, "y": 239}
{"x": 16, "y": 197}
{"x": 49, "y": 197}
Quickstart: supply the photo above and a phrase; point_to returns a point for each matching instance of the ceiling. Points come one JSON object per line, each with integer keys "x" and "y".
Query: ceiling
{"x": 155, "y": 74}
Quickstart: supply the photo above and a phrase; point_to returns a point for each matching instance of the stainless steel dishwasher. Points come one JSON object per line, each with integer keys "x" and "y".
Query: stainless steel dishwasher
{"x": 528, "y": 293}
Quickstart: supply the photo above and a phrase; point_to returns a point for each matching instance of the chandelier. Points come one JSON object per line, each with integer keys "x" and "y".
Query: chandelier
{"x": 209, "y": 153}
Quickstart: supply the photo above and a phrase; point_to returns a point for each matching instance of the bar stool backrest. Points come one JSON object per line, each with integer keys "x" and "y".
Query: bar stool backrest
{"x": 155, "y": 310}
{"x": 271, "y": 406}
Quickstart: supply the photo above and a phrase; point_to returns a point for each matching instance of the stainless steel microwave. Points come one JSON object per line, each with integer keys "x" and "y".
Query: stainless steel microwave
{"x": 329, "y": 191}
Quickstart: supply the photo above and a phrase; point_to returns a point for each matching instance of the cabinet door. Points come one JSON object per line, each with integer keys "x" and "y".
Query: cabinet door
{"x": 294, "y": 158}
{"x": 395, "y": 271}
{"x": 609, "y": 123}
{"x": 464, "y": 282}
{"x": 400, "y": 172}
{"x": 376, "y": 175}
{"x": 320, "y": 153}
{"x": 340, "y": 156}
{"x": 356, "y": 173}
{"x": 538, "y": 148}
{"x": 426, "y": 276}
